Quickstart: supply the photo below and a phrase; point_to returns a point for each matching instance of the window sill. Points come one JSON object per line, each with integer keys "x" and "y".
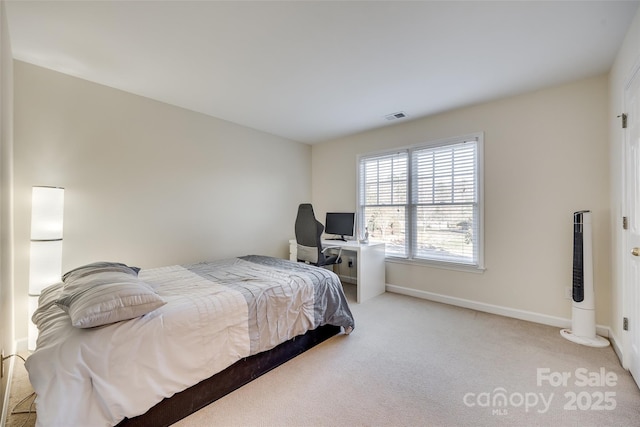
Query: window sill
{"x": 437, "y": 264}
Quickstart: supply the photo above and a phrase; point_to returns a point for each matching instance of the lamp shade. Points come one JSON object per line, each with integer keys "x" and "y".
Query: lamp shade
{"x": 32, "y": 330}
{"x": 46, "y": 237}
{"x": 47, "y": 208}
{"x": 45, "y": 267}
{"x": 45, "y": 264}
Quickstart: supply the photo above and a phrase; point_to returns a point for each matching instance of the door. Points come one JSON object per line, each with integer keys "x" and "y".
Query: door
{"x": 631, "y": 254}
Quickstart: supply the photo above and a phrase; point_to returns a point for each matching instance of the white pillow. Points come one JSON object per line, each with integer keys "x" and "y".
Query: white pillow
{"x": 103, "y": 293}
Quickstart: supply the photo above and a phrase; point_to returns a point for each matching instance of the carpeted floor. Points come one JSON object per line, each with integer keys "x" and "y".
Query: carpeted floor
{"x": 412, "y": 362}
{"x": 21, "y": 397}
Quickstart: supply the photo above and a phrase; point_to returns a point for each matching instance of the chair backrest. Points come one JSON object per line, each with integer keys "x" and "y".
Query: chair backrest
{"x": 308, "y": 235}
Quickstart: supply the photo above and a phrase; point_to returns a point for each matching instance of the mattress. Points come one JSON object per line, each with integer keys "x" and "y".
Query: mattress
{"x": 215, "y": 314}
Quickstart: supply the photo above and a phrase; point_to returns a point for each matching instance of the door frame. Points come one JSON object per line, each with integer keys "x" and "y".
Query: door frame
{"x": 628, "y": 310}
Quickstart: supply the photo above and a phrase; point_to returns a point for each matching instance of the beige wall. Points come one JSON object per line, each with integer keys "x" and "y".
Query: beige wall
{"x": 6, "y": 233}
{"x": 147, "y": 183}
{"x": 627, "y": 60}
{"x": 151, "y": 184}
{"x": 545, "y": 157}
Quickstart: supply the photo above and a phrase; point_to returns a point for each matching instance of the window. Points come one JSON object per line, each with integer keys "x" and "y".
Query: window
{"x": 425, "y": 202}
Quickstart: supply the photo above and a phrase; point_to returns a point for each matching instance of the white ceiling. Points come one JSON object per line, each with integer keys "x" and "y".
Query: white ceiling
{"x": 316, "y": 70}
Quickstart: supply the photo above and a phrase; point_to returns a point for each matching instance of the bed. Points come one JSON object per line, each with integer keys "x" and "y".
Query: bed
{"x": 121, "y": 345}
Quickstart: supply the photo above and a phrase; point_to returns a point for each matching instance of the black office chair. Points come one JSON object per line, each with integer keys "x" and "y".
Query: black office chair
{"x": 308, "y": 236}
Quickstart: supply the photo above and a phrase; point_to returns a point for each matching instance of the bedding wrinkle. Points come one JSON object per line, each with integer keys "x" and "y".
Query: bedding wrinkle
{"x": 216, "y": 313}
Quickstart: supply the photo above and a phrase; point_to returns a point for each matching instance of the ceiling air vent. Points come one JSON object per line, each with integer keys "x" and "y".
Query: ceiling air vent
{"x": 396, "y": 116}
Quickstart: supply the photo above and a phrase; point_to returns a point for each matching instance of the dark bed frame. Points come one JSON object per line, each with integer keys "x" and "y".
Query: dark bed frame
{"x": 186, "y": 402}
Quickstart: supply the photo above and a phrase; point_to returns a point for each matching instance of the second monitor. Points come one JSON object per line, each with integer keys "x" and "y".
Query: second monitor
{"x": 340, "y": 224}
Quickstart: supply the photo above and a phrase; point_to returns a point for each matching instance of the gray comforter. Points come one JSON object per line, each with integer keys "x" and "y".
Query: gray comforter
{"x": 265, "y": 281}
{"x": 216, "y": 313}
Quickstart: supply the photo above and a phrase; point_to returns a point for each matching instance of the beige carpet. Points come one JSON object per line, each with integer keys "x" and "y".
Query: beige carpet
{"x": 412, "y": 362}
{"x": 20, "y": 398}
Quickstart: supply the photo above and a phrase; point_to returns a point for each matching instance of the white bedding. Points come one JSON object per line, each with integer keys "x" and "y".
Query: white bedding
{"x": 99, "y": 376}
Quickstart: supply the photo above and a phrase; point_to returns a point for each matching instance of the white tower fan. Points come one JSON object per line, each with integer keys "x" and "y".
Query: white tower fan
{"x": 583, "y": 321}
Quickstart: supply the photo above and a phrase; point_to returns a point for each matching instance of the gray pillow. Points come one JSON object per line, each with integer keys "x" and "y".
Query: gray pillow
{"x": 103, "y": 293}
{"x": 99, "y": 267}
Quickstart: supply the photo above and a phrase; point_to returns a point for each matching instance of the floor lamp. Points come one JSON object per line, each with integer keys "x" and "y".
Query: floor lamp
{"x": 45, "y": 263}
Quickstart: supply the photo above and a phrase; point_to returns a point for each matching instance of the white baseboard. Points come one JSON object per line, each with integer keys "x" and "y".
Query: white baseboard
{"x": 617, "y": 347}
{"x": 9, "y": 373}
{"x": 529, "y": 316}
{"x": 348, "y": 279}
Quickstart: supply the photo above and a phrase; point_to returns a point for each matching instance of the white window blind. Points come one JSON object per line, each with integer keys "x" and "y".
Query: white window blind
{"x": 424, "y": 202}
{"x": 383, "y": 200}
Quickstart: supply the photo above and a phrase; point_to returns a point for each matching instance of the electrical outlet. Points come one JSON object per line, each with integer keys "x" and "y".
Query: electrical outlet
{"x": 568, "y": 292}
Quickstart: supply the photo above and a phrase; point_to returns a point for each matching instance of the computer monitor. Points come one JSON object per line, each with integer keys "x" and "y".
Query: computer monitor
{"x": 339, "y": 224}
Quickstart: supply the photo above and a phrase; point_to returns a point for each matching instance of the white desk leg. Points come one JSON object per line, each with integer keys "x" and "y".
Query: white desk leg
{"x": 293, "y": 250}
{"x": 371, "y": 273}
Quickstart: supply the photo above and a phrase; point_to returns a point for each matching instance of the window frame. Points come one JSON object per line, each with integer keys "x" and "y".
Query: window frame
{"x": 410, "y": 204}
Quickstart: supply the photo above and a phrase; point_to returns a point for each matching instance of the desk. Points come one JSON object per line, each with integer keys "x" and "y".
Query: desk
{"x": 370, "y": 280}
